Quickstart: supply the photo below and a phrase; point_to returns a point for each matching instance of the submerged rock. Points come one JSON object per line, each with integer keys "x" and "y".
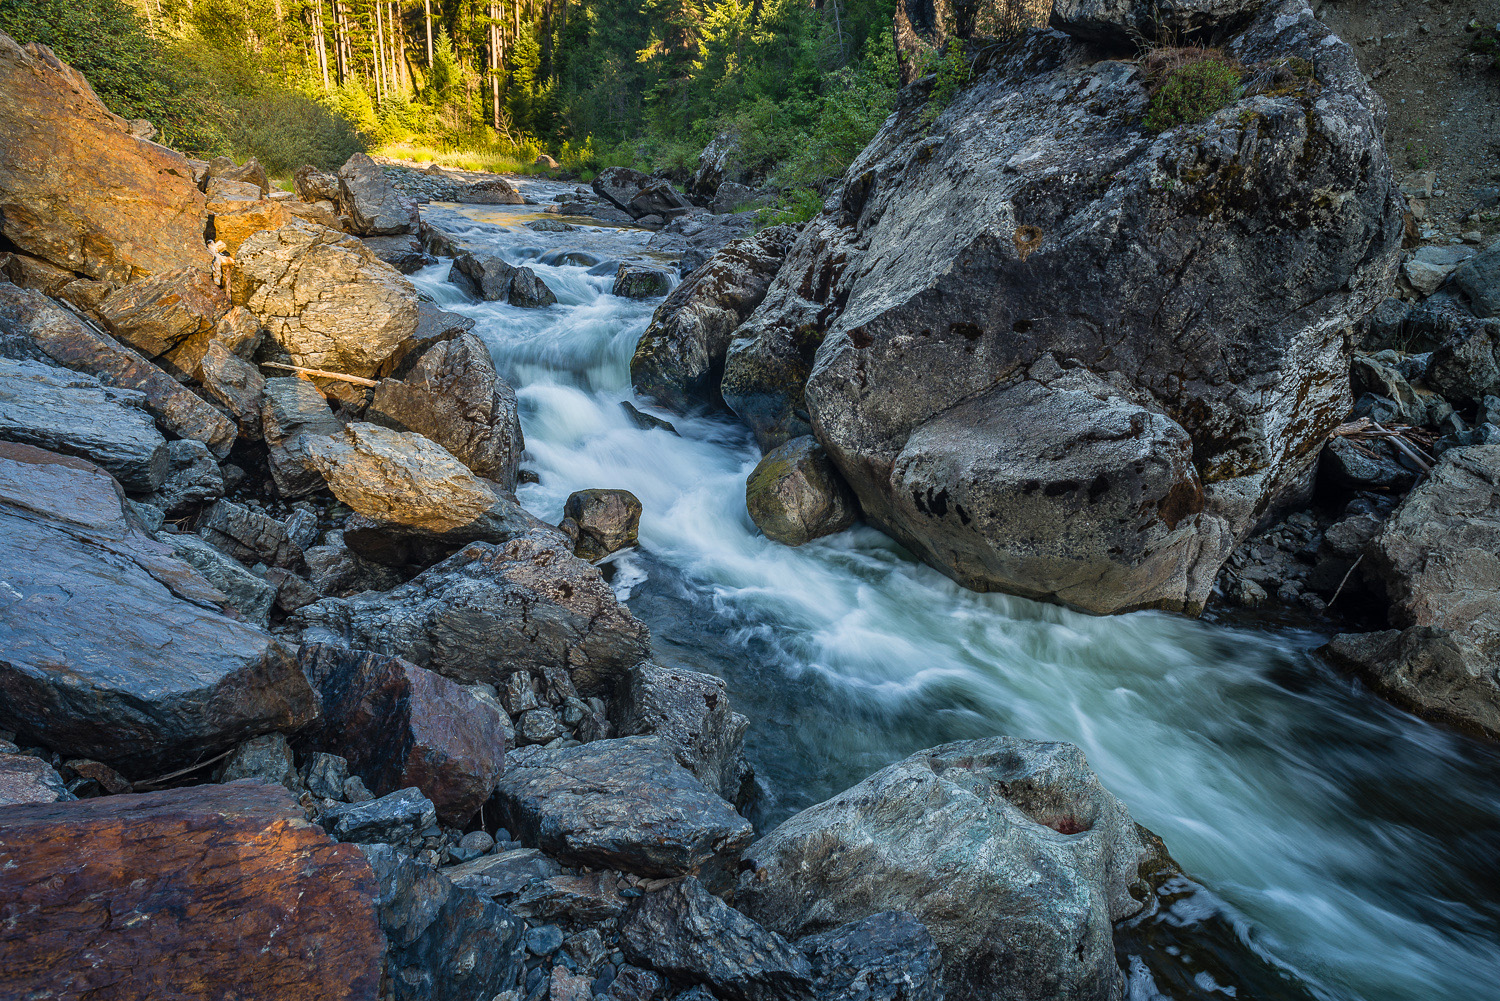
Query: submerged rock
{"x": 795, "y": 495}
{"x": 224, "y": 885}
{"x": 1009, "y": 851}
{"x": 634, "y": 282}
{"x": 623, "y": 804}
{"x": 1025, "y": 222}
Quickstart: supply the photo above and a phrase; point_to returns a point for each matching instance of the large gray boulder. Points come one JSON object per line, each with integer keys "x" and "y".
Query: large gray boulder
{"x": 1009, "y": 851}
{"x": 1479, "y": 281}
{"x": 294, "y": 413}
{"x": 618, "y": 185}
{"x": 453, "y": 395}
{"x": 113, "y": 649}
{"x": 489, "y": 611}
{"x": 680, "y": 358}
{"x": 1211, "y": 273}
{"x": 623, "y": 804}
{"x": 794, "y": 495}
{"x": 374, "y": 205}
{"x": 73, "y": 414}
{"x": 691, "y": 714}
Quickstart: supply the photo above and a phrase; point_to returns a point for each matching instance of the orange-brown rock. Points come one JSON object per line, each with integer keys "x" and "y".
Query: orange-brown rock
{"x": 155, "y": 314}
{"x": 239, "y": 209}
{"x": 212, "y": 891}
{"x": 77, "y": 189}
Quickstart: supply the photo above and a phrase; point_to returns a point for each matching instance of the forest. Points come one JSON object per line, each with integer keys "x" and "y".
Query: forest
{"x": 488, "y": 83}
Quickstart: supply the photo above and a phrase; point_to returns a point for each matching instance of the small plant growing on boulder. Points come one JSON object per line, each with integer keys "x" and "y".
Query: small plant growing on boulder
{"x": 953, "y": 71}
{"x": 1189, "y": 84}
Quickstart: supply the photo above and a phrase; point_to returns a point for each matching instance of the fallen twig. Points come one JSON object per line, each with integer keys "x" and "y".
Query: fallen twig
{"x": 181, "y": 771}
{"x": 319, "y": 373}
{"x": 1340, "y": 588}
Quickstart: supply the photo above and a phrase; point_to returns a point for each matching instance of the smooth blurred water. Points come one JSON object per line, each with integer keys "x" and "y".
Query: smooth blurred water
{"x": 1352, "y": 850}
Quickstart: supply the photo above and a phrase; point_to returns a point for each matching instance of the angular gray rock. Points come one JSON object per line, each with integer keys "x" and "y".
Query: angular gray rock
{"x": 250, "y": 595}
{"x": 1438, "y": 674}
{"x": 680, "y": 358}
{"x": 24, "y": 779}
{"x": 623, "y": 804}
{"x": 795, "y": 494}
{"x": 618, "y": 185}
{"x": 1009, "y": 851}
{"x": 374, "y": 205}
{"x": 267, "y": 758}
{"x": 73, "y": 414}
{"x": 399, "y": 819}
{"x": 486, "y": 278}
{"x": 658, "y": 197}
{"x": 690, "y": 713}
{"x": 491, "y": 191}
{"x": 193, "y": 478}
{"x": 1479, "y": 281}
{"x": 503, "y": 874}
{"x": 529, "y": 291}
{"x": 453, "y": 396}
{"x": 293, "y": 413}
{"x": 885, "y": 957}
{"x": 235, "y": 383}
{"x": 113, "y": 649}
{"x": 248, "y": 535}
{"x": 693, "y": 936}
{"x": 956, "y": 257}
{"x": 445, "y": 942}
{"x": 489, "y": 611}
{"x": 314, "y": 185}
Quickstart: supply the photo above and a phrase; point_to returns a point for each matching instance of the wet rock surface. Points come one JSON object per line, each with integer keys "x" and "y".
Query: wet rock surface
{"x": 622, "y": 804}
{"x": 606, "y": 521}
{"x": 691, "y": 714}
{"x": 796, "y": 495}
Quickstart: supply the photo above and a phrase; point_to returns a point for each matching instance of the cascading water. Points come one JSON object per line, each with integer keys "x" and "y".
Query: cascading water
{"x": 1350, "y": 849}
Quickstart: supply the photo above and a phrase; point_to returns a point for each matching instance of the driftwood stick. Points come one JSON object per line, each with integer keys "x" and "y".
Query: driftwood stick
{"x": 1404, "y": 448}
{"x": 182, "y": 771}
{"x": 357, "y": 380}
{"x": 1340, "y": 589}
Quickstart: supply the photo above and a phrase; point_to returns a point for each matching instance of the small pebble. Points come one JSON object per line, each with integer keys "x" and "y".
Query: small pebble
{"x": 544, "y": 941}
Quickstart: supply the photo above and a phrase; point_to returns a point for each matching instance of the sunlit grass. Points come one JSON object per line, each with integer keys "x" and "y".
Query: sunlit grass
{"x": 482, "y": 160}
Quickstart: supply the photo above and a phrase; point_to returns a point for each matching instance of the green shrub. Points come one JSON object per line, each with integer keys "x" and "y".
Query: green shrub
{"x": 953, "y": 72}
{"x": 1188, "y": 85}
{"x": 799, "y": 205}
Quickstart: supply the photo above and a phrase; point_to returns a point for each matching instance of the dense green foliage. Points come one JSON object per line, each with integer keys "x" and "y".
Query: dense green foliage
{"x": 1188, "y": 85}
{"x": 802, "y": 84}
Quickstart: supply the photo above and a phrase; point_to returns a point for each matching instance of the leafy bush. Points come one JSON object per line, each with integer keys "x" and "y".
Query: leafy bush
{"x": 1189, "y": 84}
{"x": 798, "y": 206}
{"x": 286, "y": 129}
{"x": 953, "y": 73}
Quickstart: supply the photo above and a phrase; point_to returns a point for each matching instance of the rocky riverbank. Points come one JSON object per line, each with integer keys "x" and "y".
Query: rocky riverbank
{"x": 304, "y": 703}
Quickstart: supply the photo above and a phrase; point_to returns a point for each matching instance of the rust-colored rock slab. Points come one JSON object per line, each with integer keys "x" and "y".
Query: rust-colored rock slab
{"x": 212, "y": 892}
{"x": 77, "y": 189}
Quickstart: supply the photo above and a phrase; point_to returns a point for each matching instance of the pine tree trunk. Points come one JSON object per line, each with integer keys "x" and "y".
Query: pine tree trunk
{"x": 427, "y": 10}
{"x": 319, "y": 43}
{"x": 379, "y": 54}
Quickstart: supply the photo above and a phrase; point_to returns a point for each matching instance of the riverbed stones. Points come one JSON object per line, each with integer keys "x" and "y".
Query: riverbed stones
{"x": 399, "y": 726}
{"x": 375, "y": 206}
{"x": 690, "y": 935}
{"x": 795, "y": 494}
{"x": 157, "y": 313}
{"x": 691, "y": 714}
{"x": 249, "y": 535}
{"x": 491, "y": 610}
{"x": 607, "y": 520}
{"x": 445, "y": 942}
{"x": 327, "y": 299}
{"x": 680, "y": 357}
{"x": 453, "y": 395}
{"x": 79, "y": 190}
{"x": 193, "y": 478}
{"x": 73, "y": 414}
{"x": 397, "y": 818}
{"x": 932, "y": 284}
{"x": 1009, "y": 851}
{"x": 623, "y": 804}
{"x": 273, "y": 908}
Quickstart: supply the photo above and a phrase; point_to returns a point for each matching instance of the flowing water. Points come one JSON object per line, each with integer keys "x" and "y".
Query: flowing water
{"x": 1342, "y": 848}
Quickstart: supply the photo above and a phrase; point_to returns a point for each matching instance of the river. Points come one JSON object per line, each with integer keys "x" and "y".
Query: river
{"x": 1343, "y": 849}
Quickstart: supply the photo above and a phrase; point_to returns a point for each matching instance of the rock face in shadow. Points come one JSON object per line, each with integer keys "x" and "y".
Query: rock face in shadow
{"x": 1438, "y": 674}
{"x": 78, "y": 189}
{"x": 1009, "y": 851}
{"x": 24, "y": 779}
{"x": 400, "y": 726}
{"x": 327, "y": 299}
{"x": 1123, "y": 22}
{"x": 1027, "y": 222}
{"x": 113, "y": 648}
{"x": 207, "y": 891}
{"x": 71, "y": 413}
{"x": 623, "y": 804}
{"x": 454, "y": 396}
{"x": 489, "y": 611}
{"x": 680, "y": 357}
